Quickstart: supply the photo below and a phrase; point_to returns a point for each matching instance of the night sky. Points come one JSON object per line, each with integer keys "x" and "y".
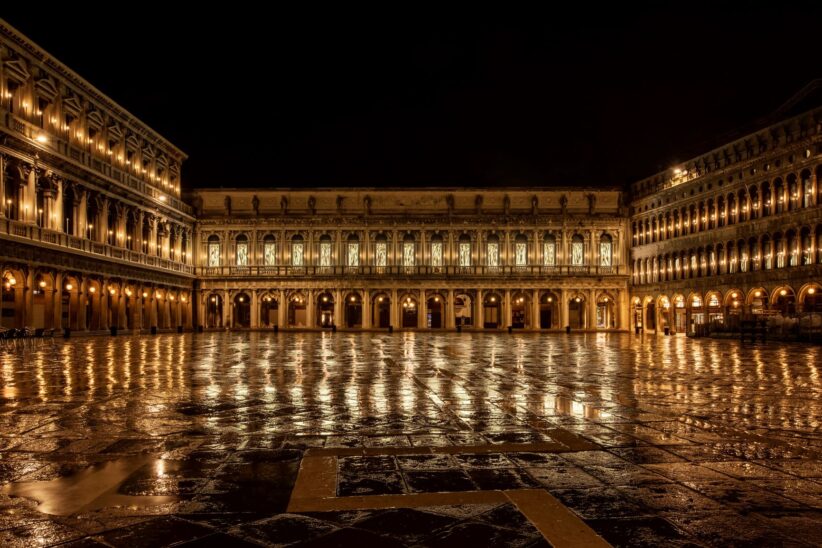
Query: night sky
{"x": 432, "y": 99}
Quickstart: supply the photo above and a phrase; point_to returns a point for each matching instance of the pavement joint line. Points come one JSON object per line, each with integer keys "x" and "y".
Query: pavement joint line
{"x": 573, "y": 444}
{"x": 315, "y": 490}
{"x": 559, "y": 525}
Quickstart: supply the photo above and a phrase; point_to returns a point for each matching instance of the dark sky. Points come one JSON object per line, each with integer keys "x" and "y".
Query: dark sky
{"x": 426, "y": 98}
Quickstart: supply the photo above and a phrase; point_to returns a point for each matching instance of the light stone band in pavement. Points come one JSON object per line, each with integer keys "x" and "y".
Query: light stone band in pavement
{"x": 647, "y": 440}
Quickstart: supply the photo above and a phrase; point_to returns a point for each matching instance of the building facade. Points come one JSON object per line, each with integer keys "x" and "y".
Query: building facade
{"x": 733, "y": 232}
{"x": 93, "y": 233}
{"x": 412, "y": 259}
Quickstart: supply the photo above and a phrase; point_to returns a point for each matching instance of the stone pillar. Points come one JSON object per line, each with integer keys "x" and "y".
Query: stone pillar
{"x": 480, "y": 315}
{"x": 103, "y": 304}
{"x": 80, "y": 213}
{"x": 2, "y": 186}
{"x": 592, "y": 310}
{"x": 395, "y": 307}
{"x": 448, "y": 308}
{"x": 310, "y": 308}
{"x": 563, "y": 309}
{"x": 506, "y": 307}
{"x": 282, "y": 309}
{"x": 366, "y": 309}
{"x": 30, "y": 202}
{"x": 535, "y": 310}
{"x": 422, "y": 311}
{"x": 152, "y": 237}
{"x": 255, "y": 309}
{"x": 339, "y": 306}
{"x": 28, "y": 296}
{"x": 57, "y": 302}
{"x": 122, "y": 320}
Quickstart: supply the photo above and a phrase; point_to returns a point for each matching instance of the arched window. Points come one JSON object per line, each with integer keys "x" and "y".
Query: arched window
{"x": 577, "y": 250}
{"x": 269, "y": 250}
{"x": 521, "y": 250}
{"x": 213, "y": 251}
{"x": 353, "y": 251}
{"x": 409, "y": 249}
{"x": 492, "y": 250}
{"x": 242, "y": 250}
{"x": 807, "y": 189}
{"x": 436, "y": 250}
{"x": 381, "y": 251}
{"x": 465, "y": 250}
{"x": 325, "y": 250}
{"x": 297, "y": 251}
{"x": 605, "y": 250}
{"x": 549, "y": 250}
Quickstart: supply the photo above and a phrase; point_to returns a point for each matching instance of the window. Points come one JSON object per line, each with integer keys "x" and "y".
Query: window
{"x": 213, "y": 251}
{"x": 605, "y": 251}
{"x": 577, "y": 251}
{"x": 269, "y": 251}
{"x": 408, "y": 249}
{"x": 242, "y": 251}
{"x": 465, "y": 253}
{"x": 297, "y": 255}
{"x": 493, "y": 251}
{"x": 325, "y": 251}
{"x": 549, "y": 251}
{"x": 436, "y": 253}
{"x": 353, "y": 251}
{"x": 381, "y": 253}
{"x": 521, "y": 251}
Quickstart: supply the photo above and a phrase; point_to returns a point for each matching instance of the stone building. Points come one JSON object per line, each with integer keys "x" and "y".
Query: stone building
{"x": 426, "y": 258}
{"x": 93, "y": 232}
{"x": 737, "y": 230}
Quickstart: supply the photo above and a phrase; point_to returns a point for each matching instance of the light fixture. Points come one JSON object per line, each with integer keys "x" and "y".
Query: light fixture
{"x": 214, "y": 299}
{"x": 42, "y": 283}
{"x": 183, "y": 298}
{"x": 112, "y": 291}
{"x": 92, "y": 290}
{"x": 41, "y": 138}
{"x": 811, "y": 291}
{"x": 69, "y": 287}
{"x": 353, "y": 299}
{"x": 145, "y": 295}
{"x": 241, "y": 299}
{"x": 757, "y": 293}
{"x": 783, "y": 292}
{"x": 128, "y": 292}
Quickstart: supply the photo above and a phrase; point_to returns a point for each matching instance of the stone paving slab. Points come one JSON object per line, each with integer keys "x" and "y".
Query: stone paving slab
{"x": 644, "y": 440}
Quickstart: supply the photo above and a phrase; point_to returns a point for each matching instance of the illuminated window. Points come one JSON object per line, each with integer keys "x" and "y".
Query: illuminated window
{"x": 269, "y": 251}
{"x": 549, "y": 251}
{"x": 520, "y": 252}
{"x": 436, "y": 253}
{"x": 493, "y": 252}
{"x": 353, "y": 253}
{"x": 381, "y": 253}
{"x": 605, "y": 251}
{"x": 242, "y": 251}
{"x": 408, "y": 249}
{"x": 465, "y": 254}
{"x": 213, "y": 251}
{"x": 325, "y": 251}
{"x": 577, "y": 250}
{"x": 297, "y": 251}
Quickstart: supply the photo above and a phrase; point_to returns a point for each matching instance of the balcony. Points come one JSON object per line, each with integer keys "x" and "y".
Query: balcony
{"x": 28, "y": 233}
{"x": 422, "y": 271}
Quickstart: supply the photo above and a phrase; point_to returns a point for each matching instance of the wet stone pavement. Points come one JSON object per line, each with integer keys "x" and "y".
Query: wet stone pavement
{"x": 198, "y": 440}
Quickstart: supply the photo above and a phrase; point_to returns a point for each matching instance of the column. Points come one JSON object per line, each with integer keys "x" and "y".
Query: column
{"x": 480, "y": 315}
{"x": 152, "y": 308}
{"x": 448, "y": 307}
{"x": 151, "y": 249}
{"x": 2, "y": 186}
{"x": 592, "y": 310}
{"x": 339, "y": 306}
{"x": 255, "y": 309}
{"x": 28, "y": 296}
{"x": 226, "y": 309}
{"x": 309, "y": 309}
{"x": 57, "y": 301}
{"x": 395, "y": 307}
{"x": 563, "y": 309}
{"x": 80, "y": 213}
{"x": 122, "y": 320}
{"x": 422, "y": 311}
{"x": 366, "y": 309}
{"x": 535, "y": 310}
{"x": 506, "y": 302}
{"x": 103, "y": 304}
{"x": 29, "y": 205}
{"x": 282, "y": 309}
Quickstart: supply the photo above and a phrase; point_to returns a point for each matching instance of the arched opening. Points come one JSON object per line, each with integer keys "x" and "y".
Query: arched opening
{"x": 352, "y": 255}
{"x": 92, "y": 304}
{"x": 793, "y": 192}
{"x": 697, "y": 313}
{"x": 714, "y": 307}
{"x": 12, "y": 304}
{"x": 767, "y": 204}
{"x": 576, "y": 312}
{"x": 434, "y": 315}
{"x": 297, "y": 315}
{"x": 665, "y": 314}
{"x": 353, "y": 310}
{"x": 548, "y": 316}
{"x": 491, "y": 311}
{"x": 606, "y": 312}
{"x": 637, "y": 312}
{"x": 463, "y": 307}
{"x": 214, "y": 311}
{"x": 41, "y": 308}
{"x": 269, "y": 309}
{"x": 409, "y": 312}
{"x": 784, "y": 300}
{"x": 806, "y": 245}
{"x": 114, "y": 316}
{"x": 128, "y": 307}
{"x": 520, "y": 311}
{"x": 242, "y": 311}
{"x": 757, "y": 300}
{"x": 680, "y": 314}
{"x": 213, "y": 251}
{"x": 810, "y": 299}
{"x": 381, "y": 310}
{"x": 779, "y": 196}
{"x": 606, "y": 250}
{"x": 650, "y": 314}
{"x": 325, "y": 310}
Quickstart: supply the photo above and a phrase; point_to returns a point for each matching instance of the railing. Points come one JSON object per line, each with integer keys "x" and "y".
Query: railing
{"x": 59, "y": 145}
{"x": 35, "y": 234}
{"x": 420, "y": 270}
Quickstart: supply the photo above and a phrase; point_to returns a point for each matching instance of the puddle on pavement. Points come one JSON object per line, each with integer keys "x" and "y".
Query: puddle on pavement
{"x": 91, "y": 489}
